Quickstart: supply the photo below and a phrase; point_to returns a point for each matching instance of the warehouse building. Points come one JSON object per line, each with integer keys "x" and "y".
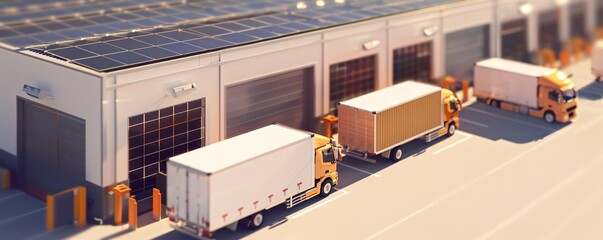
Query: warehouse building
{"x": 103, "y": 92}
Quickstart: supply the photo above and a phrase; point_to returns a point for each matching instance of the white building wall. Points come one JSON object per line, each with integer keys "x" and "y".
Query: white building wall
{"x": 74, "y": 92}
{"x": 269, "y": 58}
{"x": 147, "y": 89}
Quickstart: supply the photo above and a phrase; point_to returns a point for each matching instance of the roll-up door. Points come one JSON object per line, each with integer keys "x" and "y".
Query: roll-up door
{"x": 350, "y": 79}
{"x": 464, "y": 48}
{"x": 548, "y": 30}
{"x": 51, "y": 148}
{"x": 286, "y": 98}
{"x": 578, "y": 20}
{"x": 514, "y": 40}
{"x": 413, "y": 63}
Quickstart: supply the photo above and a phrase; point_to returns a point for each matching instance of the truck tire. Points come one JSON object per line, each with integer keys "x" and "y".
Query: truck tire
{"x": 256, "y": 220}
{"x": 494, "y": 103}
{"x": 396, "y": 154}
{"x": 451, "y": 129}
{"x": 549, "y": 117}
{"x": 326, "y": 187}
{"x": 598, "y": 79}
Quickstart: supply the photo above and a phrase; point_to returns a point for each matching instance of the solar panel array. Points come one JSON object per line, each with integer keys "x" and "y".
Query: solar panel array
{"x": 124, "y": 34}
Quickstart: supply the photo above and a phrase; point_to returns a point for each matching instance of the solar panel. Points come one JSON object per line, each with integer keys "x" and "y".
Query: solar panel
{"x": 99, "y": 63}
{"x": 128, "y": 57}
{"x": 210, "y": 30}
{"x": 72, "y": 53}
{"x": 236, "y": 22}
{"x": 100, "y": 48}
{"x": 129, "y": 44}
{"x": 181, "y": 48}
{"x": 209, "y": 43}
{"x": 156, "y": 52}
{"x": 237, "y": 38}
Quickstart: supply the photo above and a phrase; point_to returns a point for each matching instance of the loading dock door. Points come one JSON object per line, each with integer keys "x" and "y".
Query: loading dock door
{"x": 548, "y": 31}
{"x": 286, "y": 98}
{"x": 514, "y": 40}
{"x": 51, "y": 149}
{"x": 578, "y": 20}
{"x": 464, "y": 48}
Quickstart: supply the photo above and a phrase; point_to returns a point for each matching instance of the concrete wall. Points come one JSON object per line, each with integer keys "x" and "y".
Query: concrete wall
{"x": 74, "y": 92}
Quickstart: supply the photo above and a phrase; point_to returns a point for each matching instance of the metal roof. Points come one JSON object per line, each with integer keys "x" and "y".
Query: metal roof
{"x": 108, "y": 35}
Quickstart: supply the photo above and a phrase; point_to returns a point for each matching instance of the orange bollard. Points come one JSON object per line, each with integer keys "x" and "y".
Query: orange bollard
{"x": 564, "y": 58}
{"x": 577, "y": 47}
{"x": 119, "y": 191}
{"x": 132, "y": 213}
{"x": 49, "y": 212}
{"x": 156, "y": 204}
{"x": 588, "y": 49}
{"x": 548, "y": 57}
{"x": 79, "y": 206}
{"x": 465, "y": 90}
{"x": 329, "y": 120}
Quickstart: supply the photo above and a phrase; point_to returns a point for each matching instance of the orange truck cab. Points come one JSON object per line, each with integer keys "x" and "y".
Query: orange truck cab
{"x": 525, "y": 88}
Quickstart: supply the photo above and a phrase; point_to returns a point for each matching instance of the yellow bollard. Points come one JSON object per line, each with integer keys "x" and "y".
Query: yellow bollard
{"x": 465, "y": 90}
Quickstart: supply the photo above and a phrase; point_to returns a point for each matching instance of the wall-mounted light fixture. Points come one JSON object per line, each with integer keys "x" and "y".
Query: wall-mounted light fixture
{"x": 526, "y": 8}
{"x": 320, "y": 3}
{"x": 35, "y": 92}
{"x": 561, "y": 2}
{"x": 301, "y": 5}
{"x": 370, "y": 45}
{"x": 430, "y": 31}
{"x": 184, "y": 89}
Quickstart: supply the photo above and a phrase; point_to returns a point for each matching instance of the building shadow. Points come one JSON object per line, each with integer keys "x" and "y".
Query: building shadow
{"x": 593, "y": 91}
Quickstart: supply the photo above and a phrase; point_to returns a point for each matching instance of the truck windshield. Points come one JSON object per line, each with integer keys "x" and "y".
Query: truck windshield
{"x": 569, "y": 95}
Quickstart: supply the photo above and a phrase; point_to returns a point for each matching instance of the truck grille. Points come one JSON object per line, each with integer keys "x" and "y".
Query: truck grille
{"x": 571, "y": 108}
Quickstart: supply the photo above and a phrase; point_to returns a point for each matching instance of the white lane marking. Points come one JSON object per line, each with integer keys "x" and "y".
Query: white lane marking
{"x": 473, "y": 181}
{"x": 359, "y": 170}
{"x": 12, "y": 196}
{"x": 474, "y": 123}
{"x": 467, "y": 136}
{"x": 540, "y": 199}
{"x": 509, "y": 119}
{"x": 22, "y": 215}
{"x": 331, "y": 199}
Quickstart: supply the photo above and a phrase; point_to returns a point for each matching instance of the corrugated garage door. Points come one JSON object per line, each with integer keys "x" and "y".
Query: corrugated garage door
{"x": 548, "y": 30}
{"x": 464, "y": 48}
{"x": 514, "y": 40}
{"x": 51, "y": 147}
{"x": 578, "y": 20}
{"x": 286, "y": 98}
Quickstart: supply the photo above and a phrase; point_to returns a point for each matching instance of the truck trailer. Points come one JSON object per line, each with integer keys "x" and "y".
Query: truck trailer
{"x": 234, "y": 181}
{"x": 381, "y": 121}
{"x": 597, "y": 61}
{"x": 525, "y": 88}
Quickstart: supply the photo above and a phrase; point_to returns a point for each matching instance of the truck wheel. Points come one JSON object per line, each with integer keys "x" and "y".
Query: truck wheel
{"x": 256, "y": 220}
{"x": 396, "y": 154}
{"x": 451, "y": 129}
{"x": 494, "y": 103}
{"x": 326, "y": 188}
{"x": 549, "y": 117}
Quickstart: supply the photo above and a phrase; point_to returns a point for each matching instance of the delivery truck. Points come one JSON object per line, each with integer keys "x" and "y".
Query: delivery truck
{"x": 597, "y": 61}
{"x": 525, "y": 88}
{"x": 381, "y": 121}
{"x": 234, "y": 181}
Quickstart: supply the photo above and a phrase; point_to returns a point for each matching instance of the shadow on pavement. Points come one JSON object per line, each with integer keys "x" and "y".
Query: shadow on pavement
{"x": 497, "y": 124}
{"x": 593, "y": 91}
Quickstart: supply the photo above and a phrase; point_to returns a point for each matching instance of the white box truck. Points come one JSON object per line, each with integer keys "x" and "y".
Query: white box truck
{"x": 597, "y": 61}
{"x": 239, "y": 178}
{"x": 525, "y": 88}
{"x": 381, "y": 121}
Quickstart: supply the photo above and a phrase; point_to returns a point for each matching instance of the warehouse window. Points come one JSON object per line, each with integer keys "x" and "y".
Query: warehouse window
{"x": 351, "y": 79}
{"x": 158, "y": 135}
{"x": 514, "y": 40}
{"x": 548, "y": 31}
{"x": 413, "y": 63}
{"x": 578, "y": 20}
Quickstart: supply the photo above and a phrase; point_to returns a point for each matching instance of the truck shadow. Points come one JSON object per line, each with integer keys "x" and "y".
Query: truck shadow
{"x": 497, "y": 124}
{"x": 593, "y": 91}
